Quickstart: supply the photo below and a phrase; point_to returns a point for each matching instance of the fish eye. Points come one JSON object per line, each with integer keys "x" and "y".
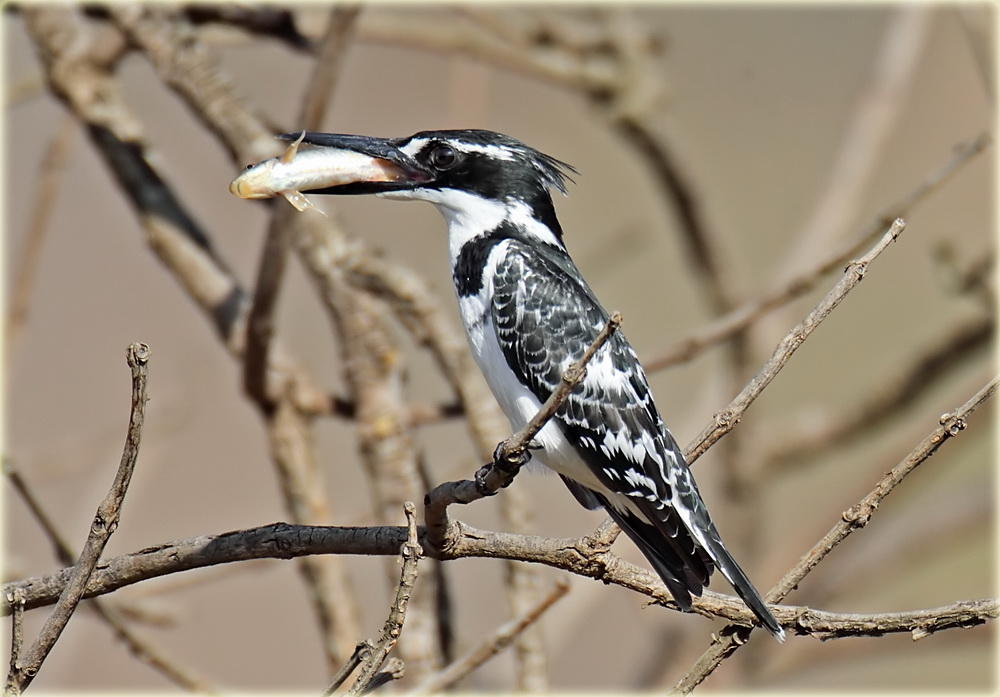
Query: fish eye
{"x": 249, "y": 166}
{"x": 443, "y": 157}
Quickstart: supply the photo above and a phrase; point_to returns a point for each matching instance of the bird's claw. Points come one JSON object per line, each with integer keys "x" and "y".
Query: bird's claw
{"x": 481, "y": 486}
{"x": 509, "y": 463}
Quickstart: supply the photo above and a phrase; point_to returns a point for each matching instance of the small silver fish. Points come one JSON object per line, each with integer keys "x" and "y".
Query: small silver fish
{"x": 313, "y": 168}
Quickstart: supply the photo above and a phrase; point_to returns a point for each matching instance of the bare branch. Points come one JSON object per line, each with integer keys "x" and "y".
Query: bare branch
{"x": 854, "y": 518}
{"x": 726, "y": 420}
{"x": 361, "y": 653}
{"x": 510, "y": 454}
{"x": 586, "y": 556}
{"x": 858, "y": 515}
{"x": 111, "y": 614}
{"x": 16, "y": 600}
{"x": 500, "y": 639}
{"x": 193, "y": 71}
{"x": 104, "y": 524}
{"x": 410, "y": 552}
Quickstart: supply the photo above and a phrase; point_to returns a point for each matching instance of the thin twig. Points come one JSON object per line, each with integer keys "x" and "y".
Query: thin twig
{"x": 903, "y": 540}
{"x": 104, "y": 524}
{"x": 725, "y": 420}
{"x": 856, "y": 517}
{"x": 361, "y": 652}
{"x": 111, "y": 614}
{"x": 510, "y": 454}
{"x": 193, "y": 71}
{"x": 739, "y": 318}
{"x": 499, "y": 640}
{"x": 411, "y": 551}
{"x": 16, "y": 600}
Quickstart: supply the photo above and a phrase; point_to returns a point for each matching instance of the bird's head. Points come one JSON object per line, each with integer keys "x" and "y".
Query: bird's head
{"x": 461, "y": 171}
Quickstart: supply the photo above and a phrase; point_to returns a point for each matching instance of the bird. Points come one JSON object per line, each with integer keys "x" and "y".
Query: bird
{"x": 528, "y": 315}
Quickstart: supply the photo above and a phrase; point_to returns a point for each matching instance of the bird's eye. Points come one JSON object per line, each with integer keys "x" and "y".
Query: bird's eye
{"x": 443, "y": 157}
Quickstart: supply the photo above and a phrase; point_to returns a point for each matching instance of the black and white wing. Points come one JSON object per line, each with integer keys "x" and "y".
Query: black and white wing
{"x": 545, "y": 316}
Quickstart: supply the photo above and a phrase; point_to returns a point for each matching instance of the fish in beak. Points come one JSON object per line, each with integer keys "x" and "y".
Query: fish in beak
{"x": 332, "y": 163}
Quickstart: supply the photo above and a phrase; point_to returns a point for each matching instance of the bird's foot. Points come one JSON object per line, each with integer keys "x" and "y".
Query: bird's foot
{"x": 481, "y": 486}
{"x": 510, "y": 462}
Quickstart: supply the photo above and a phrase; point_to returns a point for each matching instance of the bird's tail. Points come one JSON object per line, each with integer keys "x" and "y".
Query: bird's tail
{"x": 742, "y": 585}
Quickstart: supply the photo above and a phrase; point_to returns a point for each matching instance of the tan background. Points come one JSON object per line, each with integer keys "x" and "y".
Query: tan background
{"x": 759, "y": 99}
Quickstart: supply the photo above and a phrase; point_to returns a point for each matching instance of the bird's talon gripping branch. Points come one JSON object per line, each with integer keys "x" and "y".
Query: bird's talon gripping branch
{"x": 482, "y": 486}
{"x": 510, "y": 461}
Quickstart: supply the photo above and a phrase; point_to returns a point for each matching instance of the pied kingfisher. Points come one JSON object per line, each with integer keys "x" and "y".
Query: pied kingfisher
{"x": 529, "y": 315}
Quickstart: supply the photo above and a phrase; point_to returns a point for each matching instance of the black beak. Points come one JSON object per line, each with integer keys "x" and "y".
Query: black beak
{"x": 414, "y": 174}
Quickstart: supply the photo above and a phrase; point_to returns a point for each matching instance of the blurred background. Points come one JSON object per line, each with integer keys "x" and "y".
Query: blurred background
{"x": 792, "y": 129}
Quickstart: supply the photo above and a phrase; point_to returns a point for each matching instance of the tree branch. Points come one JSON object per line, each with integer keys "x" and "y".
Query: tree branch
{"x": 854, "y": 518}
{"x": 24, "y": 670}
{"x": 588, "y": 556}
{"x": 410, "y": 552}
{"x": 109, "y": 612}
{"x": 726, "y": 420}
